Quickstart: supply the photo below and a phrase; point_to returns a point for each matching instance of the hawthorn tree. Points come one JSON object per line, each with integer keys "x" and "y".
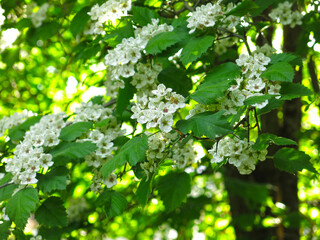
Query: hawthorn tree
{"x": 194, "y": 131}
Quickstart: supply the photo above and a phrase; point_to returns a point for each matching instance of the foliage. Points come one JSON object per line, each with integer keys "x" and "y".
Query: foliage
{"x": 158, "y": 99}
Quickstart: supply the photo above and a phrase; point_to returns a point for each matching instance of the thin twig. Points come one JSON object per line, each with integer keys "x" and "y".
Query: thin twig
{"x": 243, "y": 38}
{"x": 6, "y": 184}
{"x": 111, "y": 102}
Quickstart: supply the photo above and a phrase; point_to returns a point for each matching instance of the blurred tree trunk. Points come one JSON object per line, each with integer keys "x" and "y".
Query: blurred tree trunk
{"x": 284, "y": 185}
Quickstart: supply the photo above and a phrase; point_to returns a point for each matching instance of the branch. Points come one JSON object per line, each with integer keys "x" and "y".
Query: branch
{"x": 313, "y": 75}
{"x": 111, "y": 102}
{"x": 243, "y": 38}
{"x": 6, "y": 184}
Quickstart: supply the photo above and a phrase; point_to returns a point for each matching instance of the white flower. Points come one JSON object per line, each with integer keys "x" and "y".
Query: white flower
{"x": 274, "y": 89}
{"x": 284, "y": 15}
{"x": 8, "y": 37}
{"x": 111, "y": 180}
{"x": 38, "y": 17}
{"x": 2, "y": 17}
{"x": 166, "y": 122}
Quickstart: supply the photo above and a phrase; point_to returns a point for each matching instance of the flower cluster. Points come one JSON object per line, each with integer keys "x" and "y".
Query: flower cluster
{"x": 158, "y": 110}
{"x": 29, "y": 156}
{"x": 284, "y": 15}
{"x": 146, "y": 76}
{"x": 157, "y": 150}
{"x": 2, "y": 17}
{"x": 222, "y": 45}
{"x": 14, "y": 120}
{"x": 249, "y": 84}
{"x": 238, "y": 152}
{"x": 103, "y": 138}
{"x": 208, "y": 15}
{"x": 37, "y": 17}
{"x": 8, "y": 37}
{"x": 92, "y": 112}
{"x": 76, "y": 208}
{"x": 98, "y": 180}
{"x": 182, "y": 156}
{"x": 108, "y": 11}
{"x": 122, "y": 59}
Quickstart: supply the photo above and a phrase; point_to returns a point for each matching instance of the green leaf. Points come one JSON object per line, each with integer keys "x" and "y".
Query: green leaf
{"x": 123, "y": 30}
{"x": 243, "y": 8}
{"x": 142, "y": 15}
{"x": 265, "y": 139}
{"x": 195, "y": 48}
{"x": 124, "y": 96}
{"x": 20, "y": 206}
{"x": 257, "y": 99}
{"x": 216, "y": 83}
{"x": 176, "y": 79}
{"x": 19, "y": 234}
{"x": 53, "y": 233}
{"x": 207, "y": 124}
{"x": 6, "y": 192}
{"x": 52, "y": 213}
{"x": 87, "y": 51}
{"x": 173, "y": 189}
{"x": 103, "y": 122}
{"x": 7, "y": 178}
{"x": 223, "y": 71}
{"x": 208, "y": 92}
{"x": 17, "y": 133}
{"x": 44, "y": 32}
{"x": 71, "y": 132}
{"x": 262, "y": 6}
{"x": 293, "y": 90}
{"x": 79, "y": 21}
{"x": 272, "y": 104}
{"x": 292, "y": 160}
{"x": 114, "y": 203}
{"x": 280, "y": 72}
{"x": 162, "y": 41}
{"x": 133, "y": 151}
{"x": 286, "y": 57}
{"x": 253, "y": 193}
{"x": 143, "y": 191}
{"x": 4, "y": 230}
{"x": 72, "y": 150}
{"x": 56, "y": 179}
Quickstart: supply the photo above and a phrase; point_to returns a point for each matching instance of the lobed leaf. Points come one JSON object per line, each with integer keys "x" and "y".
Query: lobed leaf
{"x": 72, "y": 132}
{"x": 292, "y": 160}
{"x": 280, "y": 72}
{"x": 56, "y": 179}
{"x": 176, "y": 79}
{"x": 133, "y": 151}
{"x": 52, "y": 213}
{"x": 114, "y": 203}
{"x": 71, "y": 150}
{"x": 20, "y": 206}
{"x": 195, "y": 48}
{"x": 293, "y": 90}
{"x": 173, "y": 189}
{"x": 207, "y": 124}
{"x": 265, "y": 139}
{"x": 162, "y": 41}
